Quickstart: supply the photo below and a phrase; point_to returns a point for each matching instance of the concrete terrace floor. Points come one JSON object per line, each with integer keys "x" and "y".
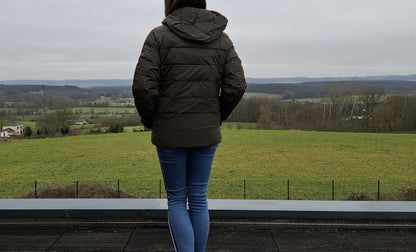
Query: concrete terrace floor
{"x": 225, "y": 235}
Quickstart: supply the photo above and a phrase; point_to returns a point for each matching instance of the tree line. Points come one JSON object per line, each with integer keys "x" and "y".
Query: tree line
{"x": 345, "y": 106}
{"x": 26, "y": 99}
{"x": 350, "y": 108}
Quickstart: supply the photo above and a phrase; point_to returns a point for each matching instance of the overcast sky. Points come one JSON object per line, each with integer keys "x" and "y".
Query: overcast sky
{"x": 102, "y": 39}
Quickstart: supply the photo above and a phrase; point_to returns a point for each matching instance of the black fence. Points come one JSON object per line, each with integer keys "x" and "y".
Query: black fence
{"x": 262, "y": 189}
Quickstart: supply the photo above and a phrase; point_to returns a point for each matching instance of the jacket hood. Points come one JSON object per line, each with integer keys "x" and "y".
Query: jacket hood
{"x": 196, "y": 24}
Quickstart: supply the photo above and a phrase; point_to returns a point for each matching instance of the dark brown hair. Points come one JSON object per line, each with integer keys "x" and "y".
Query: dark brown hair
{"x": 172, "y": 5}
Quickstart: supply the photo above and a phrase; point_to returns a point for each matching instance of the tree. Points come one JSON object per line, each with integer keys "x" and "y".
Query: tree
{"x": 27, "y": 131}
{"x": 370, "y": 97}
{"x": 6, "y": 116}
{"x": 397, "y": 113}
{"x": 116, "y": 128}
{"x": 248, "y": 110}
{"x": 338, "y": 106}
{"x": 58, "y": 121}
{"x": 114, "y": 124}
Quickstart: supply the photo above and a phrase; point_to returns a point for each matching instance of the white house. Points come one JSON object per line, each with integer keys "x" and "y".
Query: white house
{"x": 4, "y": 133}
{"x": 12, "y": 129}
{"x": 7, "y": 132}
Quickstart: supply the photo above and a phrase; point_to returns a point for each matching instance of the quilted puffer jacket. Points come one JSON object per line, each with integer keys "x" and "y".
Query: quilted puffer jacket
{"x": 188, "y": 79}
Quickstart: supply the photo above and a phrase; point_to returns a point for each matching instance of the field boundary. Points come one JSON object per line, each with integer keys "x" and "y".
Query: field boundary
{"x": 255, "y": 189}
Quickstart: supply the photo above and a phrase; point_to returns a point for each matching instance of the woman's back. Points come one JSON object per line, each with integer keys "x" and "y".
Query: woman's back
{"x": 189, "y": 68}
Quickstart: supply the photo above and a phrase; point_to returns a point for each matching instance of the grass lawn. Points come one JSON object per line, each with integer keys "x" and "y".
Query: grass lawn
{"x": 266, "y": 159}
{"x": 104, "y": 110}
{"x": 262, "y": 95}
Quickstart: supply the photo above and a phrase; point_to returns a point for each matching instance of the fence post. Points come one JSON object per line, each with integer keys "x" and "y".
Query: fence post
{"x": 244, "y": 188}
{"x": 378, "y": 190}
{"x": 288, "y": 190}
{"x": 118, "y": 188}
{"x": 333, "y": 190}
{"x": 36, "y": 189}
{"x": 77, "y": 189}
{"x": 160, "y": 188}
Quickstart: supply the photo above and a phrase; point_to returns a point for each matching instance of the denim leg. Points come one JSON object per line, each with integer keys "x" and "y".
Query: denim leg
{"x": 199, "y": 170}
{"x": 174, "y": 166}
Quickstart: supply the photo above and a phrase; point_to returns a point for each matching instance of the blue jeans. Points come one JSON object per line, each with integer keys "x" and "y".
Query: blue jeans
{"x": 186, "y": 174}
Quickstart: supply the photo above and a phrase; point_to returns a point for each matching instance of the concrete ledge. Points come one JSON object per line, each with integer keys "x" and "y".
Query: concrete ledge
{"x": 256, "y": 209}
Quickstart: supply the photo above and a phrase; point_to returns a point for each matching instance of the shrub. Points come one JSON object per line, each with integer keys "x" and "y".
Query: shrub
{"x": 359, "y": 196}
{"x": 407, "y": 194}
{"x": 116, "y": 128}
{"x": 84, "y": 191}
{"x": 27, "y": 131}
{"x": 96, "y": 131}
{"x": 138, "y": 130}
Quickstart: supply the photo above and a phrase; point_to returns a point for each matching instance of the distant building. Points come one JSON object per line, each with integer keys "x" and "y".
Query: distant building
{"x": 80, "y": 122}
{"x": 12, "y": 129}
{"x": 4, "y": 133}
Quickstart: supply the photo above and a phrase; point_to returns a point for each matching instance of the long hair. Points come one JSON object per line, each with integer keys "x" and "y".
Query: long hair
{"x": 172, "y": 5}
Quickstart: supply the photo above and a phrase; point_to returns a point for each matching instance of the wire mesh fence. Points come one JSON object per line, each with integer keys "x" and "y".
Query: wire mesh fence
{"x": 255, "y": 189}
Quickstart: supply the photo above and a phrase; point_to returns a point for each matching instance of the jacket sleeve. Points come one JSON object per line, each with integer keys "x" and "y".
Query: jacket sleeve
{"x": 146, "y": 80}
{"x": 233, "y": 84}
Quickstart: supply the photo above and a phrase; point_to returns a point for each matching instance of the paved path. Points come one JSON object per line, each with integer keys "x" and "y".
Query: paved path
{"x": 224, "y": 236}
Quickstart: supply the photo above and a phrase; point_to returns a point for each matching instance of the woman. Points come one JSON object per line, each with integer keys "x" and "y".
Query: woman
{"x": 187, "y": 81}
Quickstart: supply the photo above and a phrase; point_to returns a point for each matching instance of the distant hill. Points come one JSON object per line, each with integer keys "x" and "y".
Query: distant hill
{"x": 77, "y": 83}
{"x": 128, "y": 82}
{"x": 327, "y": 79}
{"x": 22, "y": 92}
{"x": 318, "y": 89}
{"x": 292, "y": 88}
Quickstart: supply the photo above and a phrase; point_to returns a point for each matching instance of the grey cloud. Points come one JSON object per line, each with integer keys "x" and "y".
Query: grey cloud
{"x": 102, "y": 38}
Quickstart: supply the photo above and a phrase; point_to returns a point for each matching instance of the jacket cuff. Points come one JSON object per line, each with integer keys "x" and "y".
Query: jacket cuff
{"x": 147, "y": 123}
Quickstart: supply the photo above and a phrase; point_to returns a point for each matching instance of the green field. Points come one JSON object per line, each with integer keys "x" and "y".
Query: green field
{"x": 265, "y": 159}
{"x": 262, "y": 95}
{"x": 104, "y": 110}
